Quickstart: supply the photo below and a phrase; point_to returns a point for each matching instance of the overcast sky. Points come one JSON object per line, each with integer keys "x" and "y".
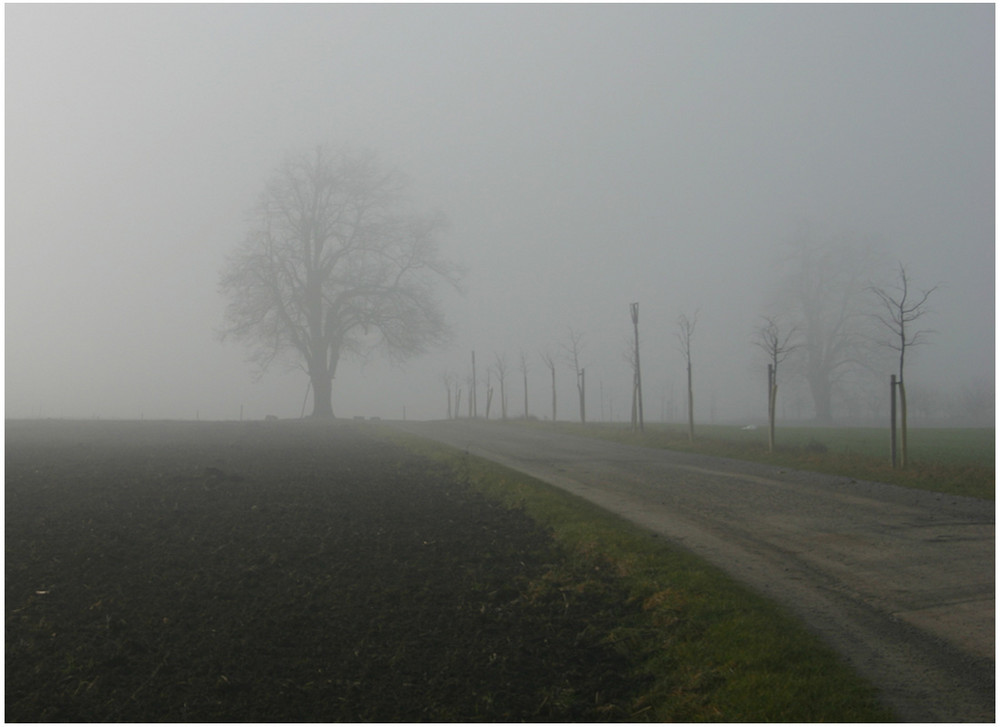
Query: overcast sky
{"x": 587, "y": 157}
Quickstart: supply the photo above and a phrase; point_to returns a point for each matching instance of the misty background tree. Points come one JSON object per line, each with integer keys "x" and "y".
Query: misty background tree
{"x": 823, "y": 294}
{"x": 335, "y": 264}
{"x": 449, "y": 379}
{"x": 899, "y": 312}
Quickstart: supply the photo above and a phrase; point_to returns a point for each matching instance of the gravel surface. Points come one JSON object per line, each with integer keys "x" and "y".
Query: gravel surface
{"x": 901, "y": 582}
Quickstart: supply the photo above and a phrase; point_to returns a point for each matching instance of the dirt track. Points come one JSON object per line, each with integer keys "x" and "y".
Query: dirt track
{"x": 901, "y": 582}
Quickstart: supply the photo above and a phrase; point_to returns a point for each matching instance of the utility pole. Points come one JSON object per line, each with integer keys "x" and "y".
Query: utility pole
{"x": 637, "y": 379}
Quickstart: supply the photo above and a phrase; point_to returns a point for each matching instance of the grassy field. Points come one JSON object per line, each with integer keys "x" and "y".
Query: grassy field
{"x": 955, "y": 461}
{"x": 709, "y": 649}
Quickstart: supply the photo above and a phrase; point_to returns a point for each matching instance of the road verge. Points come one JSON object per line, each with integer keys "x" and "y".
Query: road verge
{"x": 712, "y": 649}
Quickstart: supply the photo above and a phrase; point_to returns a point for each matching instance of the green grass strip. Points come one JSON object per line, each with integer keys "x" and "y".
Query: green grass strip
{"x": 952, "y": 461}
{"x": 705, "y": 648}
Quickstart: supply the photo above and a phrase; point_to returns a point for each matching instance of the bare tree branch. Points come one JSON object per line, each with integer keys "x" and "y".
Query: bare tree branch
{"x": 771, "y": 342}
{"x": 900, "y": 311}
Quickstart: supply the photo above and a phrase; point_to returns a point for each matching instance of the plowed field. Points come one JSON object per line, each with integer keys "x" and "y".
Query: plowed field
{"x": 285, "y": 571}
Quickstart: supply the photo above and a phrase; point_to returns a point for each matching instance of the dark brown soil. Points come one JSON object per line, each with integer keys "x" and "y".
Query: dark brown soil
{"x": 285, "y": 571}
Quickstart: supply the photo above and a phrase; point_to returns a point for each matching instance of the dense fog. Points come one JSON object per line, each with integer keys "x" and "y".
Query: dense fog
{"x": 587, "y": 157}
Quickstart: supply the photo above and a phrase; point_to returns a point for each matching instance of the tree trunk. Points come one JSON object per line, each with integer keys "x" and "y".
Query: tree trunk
{"x": 474, "y": 410}
{"x": 322, "y": 386}
{"x": 892, "y": 420}
{"x": 902, "y": 424}
{"x": 770, "y": 426}
{"x": 526, "y": 395}
{"x": 819, "y": 387}
{"x": 634, "y": 422}
{"x": 772, "y": 398}
{"x": 322, "y": 367}
{"x": 553, "y": 395}
{"x": 690, "y": 404}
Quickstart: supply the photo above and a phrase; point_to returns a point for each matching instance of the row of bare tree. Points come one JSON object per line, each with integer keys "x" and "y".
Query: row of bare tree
{"x": 335, "y": 264}
{"x": 898, "y": 311}
{"x": 501, "y": 369}
{"x": 570, "y": 353}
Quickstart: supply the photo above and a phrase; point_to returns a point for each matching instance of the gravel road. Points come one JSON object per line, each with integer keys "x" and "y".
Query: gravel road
{"x": 900, "y": 582}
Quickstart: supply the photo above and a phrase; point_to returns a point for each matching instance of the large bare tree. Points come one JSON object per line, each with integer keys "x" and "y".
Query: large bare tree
{"x": 335, "y": 264}
{"x": 900, "y": 311}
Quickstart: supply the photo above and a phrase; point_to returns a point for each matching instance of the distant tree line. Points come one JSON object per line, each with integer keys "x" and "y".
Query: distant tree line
{"x": 335, "y": 263}
{"x": 829, "y": 327}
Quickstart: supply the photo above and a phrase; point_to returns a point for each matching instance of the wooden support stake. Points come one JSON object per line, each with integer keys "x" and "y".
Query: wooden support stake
{"x": 892, "y": 420}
